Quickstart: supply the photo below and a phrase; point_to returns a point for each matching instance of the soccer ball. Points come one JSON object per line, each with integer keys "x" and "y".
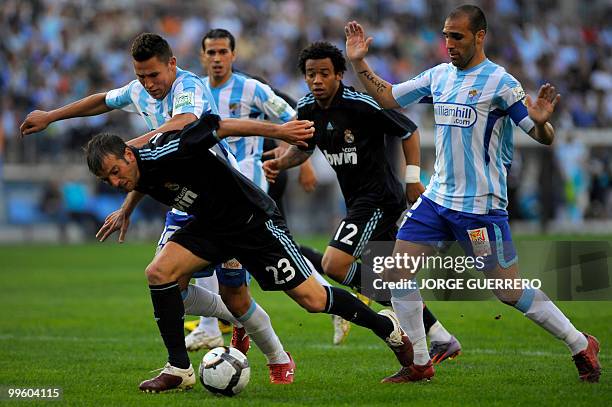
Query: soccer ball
{"x": 225, "y": 371}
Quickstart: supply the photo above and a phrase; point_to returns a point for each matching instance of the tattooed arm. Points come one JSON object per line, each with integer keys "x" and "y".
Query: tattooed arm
{"x": 292, "y": 157}
{"x": 356, "y": 49}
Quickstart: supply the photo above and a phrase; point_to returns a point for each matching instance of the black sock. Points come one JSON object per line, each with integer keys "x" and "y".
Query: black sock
{"x": 353, "y": 280}
{"x": 428, "y": 318}
{"x": 342, "y": 303}
{"x": 314, "y": 256}
{"x": 170, "y": 315}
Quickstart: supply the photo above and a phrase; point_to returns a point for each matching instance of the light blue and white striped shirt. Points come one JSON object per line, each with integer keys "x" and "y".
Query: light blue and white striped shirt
{"x": 244, "y": 97}
{"x": 188, "y": 94}
{"x": 473, "y": 135}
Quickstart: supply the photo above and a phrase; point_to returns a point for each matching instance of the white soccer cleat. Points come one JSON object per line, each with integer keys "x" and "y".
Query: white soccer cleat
{"x": 341, "y": 329}
{"x": 170, "y": 378}
{"x": 197, "y": 340}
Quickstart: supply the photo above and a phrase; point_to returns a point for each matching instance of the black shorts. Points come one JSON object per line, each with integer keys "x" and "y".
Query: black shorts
{"x": 264, "y": 247}
{"x": 362, "y": 224}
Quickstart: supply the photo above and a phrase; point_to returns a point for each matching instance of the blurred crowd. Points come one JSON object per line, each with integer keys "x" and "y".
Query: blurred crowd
{"x": 57, "y": 51}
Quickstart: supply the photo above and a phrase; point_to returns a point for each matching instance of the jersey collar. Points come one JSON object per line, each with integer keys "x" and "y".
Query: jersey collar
{"x": 472, "y": 69}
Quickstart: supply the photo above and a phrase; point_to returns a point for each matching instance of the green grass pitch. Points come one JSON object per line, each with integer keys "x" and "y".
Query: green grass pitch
{"x": 79, "y": 317}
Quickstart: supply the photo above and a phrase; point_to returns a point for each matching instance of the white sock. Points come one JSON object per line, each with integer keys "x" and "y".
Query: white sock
{"x": 408, "y": 306}
{"x": 437, "y": 333}
{"x": 209, "y": 325}
{"x": 257, "y": 324}
{"x": 201, "y": 302}
{"x": 545, "y": 313}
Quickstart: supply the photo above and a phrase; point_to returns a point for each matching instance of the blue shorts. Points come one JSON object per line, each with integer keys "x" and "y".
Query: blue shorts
{"x": 486, "y": 235}
{"x": 230, "y": 274}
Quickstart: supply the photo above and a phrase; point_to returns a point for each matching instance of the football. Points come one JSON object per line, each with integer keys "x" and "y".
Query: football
{"x": 225, "y": 371}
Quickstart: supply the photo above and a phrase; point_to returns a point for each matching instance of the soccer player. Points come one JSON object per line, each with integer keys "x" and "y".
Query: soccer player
{"x": 350, "y": 129}
{"x": 475, "y": 103}
{"x": 233, "y": 218}
{"x": 238, "y": 96}
{"x": 168, "y": 98}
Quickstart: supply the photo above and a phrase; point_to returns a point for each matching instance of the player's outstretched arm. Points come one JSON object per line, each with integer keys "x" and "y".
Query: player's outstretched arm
{"x": 294, "y": 132}
{"x": 412, "y": 153}
{"x": 120, "y": 219}
{"x": 38, "y": 120}
{"x": 292, "y": 157}
{"x": 177, "y": 122}
{"x": 540, "y": 112}
{"x": 357, "y": 46}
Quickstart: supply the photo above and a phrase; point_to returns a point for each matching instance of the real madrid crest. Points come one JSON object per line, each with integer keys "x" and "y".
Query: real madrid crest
{"x": 348, "y": 136}
{"x": 171, "y": 186}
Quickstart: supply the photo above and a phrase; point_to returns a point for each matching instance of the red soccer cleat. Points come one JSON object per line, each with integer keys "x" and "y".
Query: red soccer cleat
{"x": 412, "y": 373}
{"x": 282, "y": 373}
{"x": 587, "y": 362}
{"x": 240, "y": 340}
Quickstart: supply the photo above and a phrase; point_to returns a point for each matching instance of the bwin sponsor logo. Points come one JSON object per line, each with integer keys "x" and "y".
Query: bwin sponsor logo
{"x": 450, "y": 114}
{"x": 341, "y": 158}
{"x": 184, "y": 200}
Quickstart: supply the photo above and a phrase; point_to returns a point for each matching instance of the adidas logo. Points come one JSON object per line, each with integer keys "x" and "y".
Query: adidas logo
{"x": 329, "y": 126}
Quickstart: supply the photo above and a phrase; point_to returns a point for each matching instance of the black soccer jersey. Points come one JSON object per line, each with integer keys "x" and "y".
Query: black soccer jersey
{"x": 178, "y": 169}
{"x": 350, "y": 134}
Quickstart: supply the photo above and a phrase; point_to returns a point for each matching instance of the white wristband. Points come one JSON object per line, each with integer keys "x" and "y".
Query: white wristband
{"x": 413, "y": 174}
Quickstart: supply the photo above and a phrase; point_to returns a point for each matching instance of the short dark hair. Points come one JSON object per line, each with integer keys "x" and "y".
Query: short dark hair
{"x": 217, "y": 33}
{"x": 149, "y": 45}
{"x": 99, "y": 147}
{"x": 322, "y": 50}
{"x": 474, "y": 14}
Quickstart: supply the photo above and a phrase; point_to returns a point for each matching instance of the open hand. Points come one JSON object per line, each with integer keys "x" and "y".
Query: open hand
{"x": 357, "y": 44}
{"x": 542, "y": 108}
{"x": 117, "y": 220}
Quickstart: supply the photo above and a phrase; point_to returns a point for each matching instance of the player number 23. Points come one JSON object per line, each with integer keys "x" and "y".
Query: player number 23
{"x": 283, "y": 272}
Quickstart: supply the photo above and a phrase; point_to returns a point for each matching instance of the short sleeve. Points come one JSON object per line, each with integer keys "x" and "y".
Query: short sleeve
{"x": 272, "y": 105}
{"x": 121, "y": 98}
{"x": 396, "y": 124}
{"x": 511, "y": 98}
{"x": 413, "y": 90}
{"x": 190, "y": 95}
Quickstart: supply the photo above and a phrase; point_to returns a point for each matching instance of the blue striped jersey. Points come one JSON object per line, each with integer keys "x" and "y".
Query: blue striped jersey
{"x": 244, "y": 97}
{"x": 188, "y": 94}
{"x": 473, "y": 112}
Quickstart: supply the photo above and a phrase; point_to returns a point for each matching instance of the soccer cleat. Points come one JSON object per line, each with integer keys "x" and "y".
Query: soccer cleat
{"x": 170, "y": 378}
{"x": 282, "y": 373}
{"x": 412, "y": 373}
{"x": 240, "y": 340}
{"x": 341, "y": 329}
{"x": 197, "y": 340}
{"x": 440, "y": 351}
{"x": 398, "y": 341}
{"x": 587, "y": 361}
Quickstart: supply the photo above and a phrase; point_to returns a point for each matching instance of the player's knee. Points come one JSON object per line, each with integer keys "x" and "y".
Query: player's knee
{"x": 158, "y": 275}
{"x": 333, "y": 268}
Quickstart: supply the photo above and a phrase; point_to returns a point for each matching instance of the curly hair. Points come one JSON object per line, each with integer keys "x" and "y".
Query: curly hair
{"x": 322, "y": 50}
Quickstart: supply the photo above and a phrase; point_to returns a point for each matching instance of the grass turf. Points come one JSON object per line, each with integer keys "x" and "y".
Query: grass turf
{"x": 80, "y": 318}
